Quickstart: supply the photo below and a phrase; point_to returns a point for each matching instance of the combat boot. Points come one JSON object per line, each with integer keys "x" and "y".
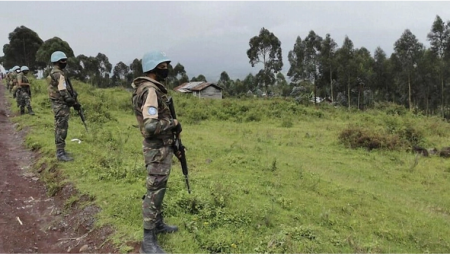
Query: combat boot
{"x": 30, "y": 110}
{"x": 62, "y": 156}
{"x": 22, "y": 110}
{"x": 150, "y": 243}
{"x": 162, "y": 227}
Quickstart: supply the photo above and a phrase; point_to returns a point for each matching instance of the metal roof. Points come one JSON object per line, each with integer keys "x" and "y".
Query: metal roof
{"x": 194, "y": 86}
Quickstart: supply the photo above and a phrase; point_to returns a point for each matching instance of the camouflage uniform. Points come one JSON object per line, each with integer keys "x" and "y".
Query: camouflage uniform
{"x": 13, "y": 82}
{"x": 23, "y": 93}
{"x": 59, "y": 96}
{"x": 150, "y": 107}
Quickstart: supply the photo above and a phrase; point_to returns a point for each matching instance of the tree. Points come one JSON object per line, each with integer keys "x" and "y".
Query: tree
{"x": 312, "y": 56}
{"x": 364, "y": 72}
{"x": 48, "y": 47}
{"x": 439, "y": 38}
{"x": 104, "y": 69}
{"x": 296, "y": 58}
{"x": 266, "y": 49}
{"x": 380, "y": 69}
{"x": 120, "y": 72}
{"x": 22, "y": 48}
{"x": 224, "y": 81}
{"x": 177, "y": 76}
{"x": 327, "y": 54}
{"x": 136, "y": 68}
{"x": 346, "y": 67}
{"x": 408, "y": 50}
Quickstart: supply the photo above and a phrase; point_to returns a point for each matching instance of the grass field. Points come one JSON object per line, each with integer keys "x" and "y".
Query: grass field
{"x": 267, "y": 176}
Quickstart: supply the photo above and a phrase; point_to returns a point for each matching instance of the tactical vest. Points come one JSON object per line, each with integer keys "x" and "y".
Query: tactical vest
{"x": 53, "y": 80}
{"x": 23, "y": 77}
{"x": 138, "y": 100}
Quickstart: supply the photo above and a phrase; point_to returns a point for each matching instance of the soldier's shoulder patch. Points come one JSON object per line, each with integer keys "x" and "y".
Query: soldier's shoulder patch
{"x": 152, "y": 110}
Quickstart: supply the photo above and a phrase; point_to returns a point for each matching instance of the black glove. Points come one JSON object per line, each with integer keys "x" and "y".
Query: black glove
{"x": 69, "y": 101}
{"x": 77, "y": 106}
{"x": 178, "y": 128}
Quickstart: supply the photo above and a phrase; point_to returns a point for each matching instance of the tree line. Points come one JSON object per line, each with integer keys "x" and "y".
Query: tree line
{"x": 413, "y": 75}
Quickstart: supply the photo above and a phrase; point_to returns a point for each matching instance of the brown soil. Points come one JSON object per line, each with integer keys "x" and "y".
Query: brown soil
{"x": 30, "y": 220}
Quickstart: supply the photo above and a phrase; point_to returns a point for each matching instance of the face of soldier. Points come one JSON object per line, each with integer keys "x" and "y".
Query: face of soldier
{"x": 162, "y": 71}
{"x": 62, "y": 63}
{"x": 25, "y": 72}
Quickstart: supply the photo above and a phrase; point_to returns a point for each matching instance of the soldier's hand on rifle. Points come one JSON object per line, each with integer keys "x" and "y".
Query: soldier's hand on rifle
{"x": 177, "y": 127}
{"x": 77, "y": 106}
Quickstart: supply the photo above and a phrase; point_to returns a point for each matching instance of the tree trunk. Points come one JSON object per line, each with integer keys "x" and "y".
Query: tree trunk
{"x": 331, "y": 85}
{"x": 442, "y": 96}
{"x": 409, "y": 92}
{"x": 348, "y": 92}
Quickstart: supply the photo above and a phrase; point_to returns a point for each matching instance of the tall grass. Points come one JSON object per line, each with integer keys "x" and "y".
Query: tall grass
{"x": 267, "y": 176}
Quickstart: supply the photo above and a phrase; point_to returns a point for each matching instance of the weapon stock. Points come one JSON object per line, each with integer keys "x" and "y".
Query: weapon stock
{"x": 179, "y": 149}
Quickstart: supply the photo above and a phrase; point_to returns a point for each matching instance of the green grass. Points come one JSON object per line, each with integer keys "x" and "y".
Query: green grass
{"x": 267, "y": 176}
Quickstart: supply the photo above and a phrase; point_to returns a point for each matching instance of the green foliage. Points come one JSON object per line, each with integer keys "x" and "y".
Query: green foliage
{"x": 267, "y": 176}
{"x": 49, "y": 46}
{"x": 22, "y": 48}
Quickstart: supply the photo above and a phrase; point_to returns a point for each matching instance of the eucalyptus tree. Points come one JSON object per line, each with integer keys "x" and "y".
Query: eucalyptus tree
{"x": 22, "y": 48}
{"x": 428, "y": 80}
{"x": 120, "y": 72}
{"x": 327, "y": 58}
{"x": 250, "y": 82}
{"x": 296, "y": 58}
{"x": 346, "y": 67}
{"x": 364, "y": 72}
{"x": 177, "y": 76}
{"x": 380, "y": 74}
{"x": 266, "y": 49}
{"x": 136, "y": 69}
{"x": 439, "y": 38}
{"x": 313, "y": 72}
{"x": 408, "y": 49}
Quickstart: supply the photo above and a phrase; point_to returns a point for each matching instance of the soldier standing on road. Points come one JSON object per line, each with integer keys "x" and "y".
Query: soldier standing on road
{"x": 24, "y": 91}
{"x": 62, "y": 100}
{"x": 156, "y": 124}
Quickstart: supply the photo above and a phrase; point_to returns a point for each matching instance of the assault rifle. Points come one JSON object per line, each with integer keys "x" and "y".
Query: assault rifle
{"x": 178, "y": 147}
{"x": 75, "y": 95}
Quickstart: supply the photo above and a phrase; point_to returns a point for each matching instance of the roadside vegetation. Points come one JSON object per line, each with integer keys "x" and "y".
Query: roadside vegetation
{"x": 267, "y": 175}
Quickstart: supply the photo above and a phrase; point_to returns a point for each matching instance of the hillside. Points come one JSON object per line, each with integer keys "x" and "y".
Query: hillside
{"x": 267, "y": 176}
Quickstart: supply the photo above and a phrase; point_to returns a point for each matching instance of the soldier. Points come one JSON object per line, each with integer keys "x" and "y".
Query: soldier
{"x": 156, "y": 124}
{"x": 62, "y": 100}
{"x": 7, "y": 79}
{"x": 13, "y": 79}
{"x": 24, "y": 91}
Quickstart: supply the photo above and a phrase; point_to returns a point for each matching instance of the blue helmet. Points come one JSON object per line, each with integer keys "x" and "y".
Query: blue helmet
{"x": 24, "y": 68}
{"x": 15, "y": 68}
{"x": 153, "y": 59}
{"x": 57, "y": 56}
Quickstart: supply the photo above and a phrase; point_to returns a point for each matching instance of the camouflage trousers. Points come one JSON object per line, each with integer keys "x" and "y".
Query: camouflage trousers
{"x": 62, "y": 113}
{"x": 158, "y": 161}
{"x": 23, "y": 98}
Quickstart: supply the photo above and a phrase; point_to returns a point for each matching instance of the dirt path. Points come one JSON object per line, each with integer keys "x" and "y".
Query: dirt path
{"x": 30, "y": 221}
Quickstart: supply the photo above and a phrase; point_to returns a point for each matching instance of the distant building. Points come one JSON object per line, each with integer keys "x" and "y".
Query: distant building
{"x": 201, "y": 89}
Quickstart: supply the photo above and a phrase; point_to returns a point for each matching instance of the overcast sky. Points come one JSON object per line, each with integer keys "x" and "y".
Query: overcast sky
{"x": 208, "y": 37}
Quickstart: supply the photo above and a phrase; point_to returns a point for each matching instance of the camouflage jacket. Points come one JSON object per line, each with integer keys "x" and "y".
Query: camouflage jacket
{"x": 57, "y": 87}
{"x": 151, "y": 110}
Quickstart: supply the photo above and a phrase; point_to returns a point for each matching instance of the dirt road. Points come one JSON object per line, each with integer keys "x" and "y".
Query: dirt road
{"x": 30, "y": 221}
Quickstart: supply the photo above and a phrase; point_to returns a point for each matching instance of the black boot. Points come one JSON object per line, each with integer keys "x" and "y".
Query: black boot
{"x": 162, "y": 227}
{"x": 62, "y": 156}
{"x": 150, "y": 244}
{"x": 30, "y": 110}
